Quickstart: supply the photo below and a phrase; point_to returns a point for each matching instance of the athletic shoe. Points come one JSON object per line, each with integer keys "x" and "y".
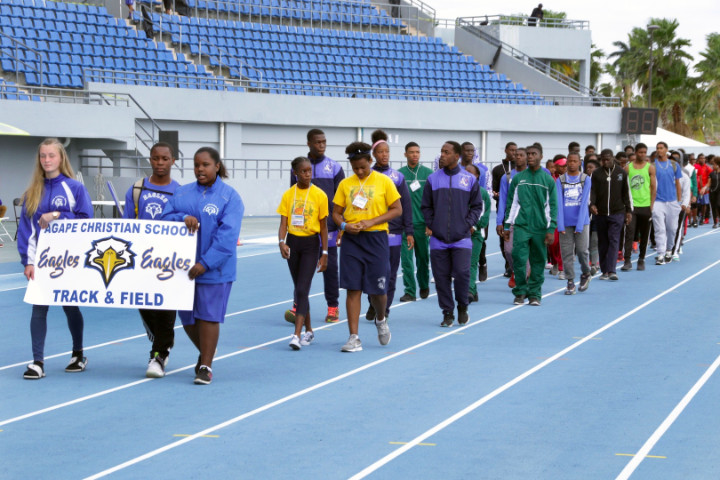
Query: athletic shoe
{"x": 695, "y": 224}
{"x": 584, "y": 281}
{"x": 641, "y": 264}
{"x": 204, "y": 376}
{"x": 482, "y": 273}
{"x": 35, "y": 371}
{"x": 383, "y": 332}
{"x": 668, "y": 258}
{"x": 676, "y": 258}
{"x": 635, "y": 248}
{"x": 472, "y": 297}
{"x": 548, "y": 266}
{"x": 424, "y": 292}
{"x": 332, "y": 315}
{"x": 604, "y": 276}
{"x": 613, "y": 276}
{"x": 462, "y": 315}
{"x": 594, "y": 269}
{"x": 561, "y": 276}
{"x": 535, "y": 302}
{"x": 659, "y": 260}
{"x": 570, "y": 289}
{"x": 353, "y": 344}
{"x": 707, "y": 220}
{"x": 307, "y": 338}
{"x": 508, "y": 273}
{"x": 620, "y": 257}
{"x": 554, "y": 270}
{"x": 519, "y": 300}
{"x": 77, "y": 363}
{"x": 290, "y": 315}
{"x": 448, "y": 319}
{"x": 511, "y": 282}
{"x": 626, "y": 266}
{"x": 295, "y": 342}
{"x": 715, "y": 225}
{"x": 156, "y": 367}
{"x": 371, "y": 314}
{"x": 407, "y": 298}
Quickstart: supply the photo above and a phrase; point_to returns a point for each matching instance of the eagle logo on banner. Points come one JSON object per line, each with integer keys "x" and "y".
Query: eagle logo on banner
{"x": 108, "y": 256}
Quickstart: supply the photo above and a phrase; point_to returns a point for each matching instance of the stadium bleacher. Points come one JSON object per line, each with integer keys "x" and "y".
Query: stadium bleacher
{"x": 10, "y": 91}
{"x": 82, "y": 43}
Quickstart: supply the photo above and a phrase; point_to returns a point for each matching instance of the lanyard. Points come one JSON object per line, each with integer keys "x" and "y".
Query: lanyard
{"x": 360, "y": 192}
{"x": 306, "y": 197}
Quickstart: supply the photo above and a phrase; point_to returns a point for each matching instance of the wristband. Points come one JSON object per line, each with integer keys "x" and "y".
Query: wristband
{"x": 325, "y": 252}
{"x": 185, "y": 216}
{"x": 280, "y": 242}
{"x": 342, "y": 226}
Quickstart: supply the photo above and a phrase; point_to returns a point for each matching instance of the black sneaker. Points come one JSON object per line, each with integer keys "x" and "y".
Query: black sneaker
{"x": 448, "y": 319}
{"x": 482, "y": 273}
{"x": 204, "y": 376}
{"x": 570, "y": 289}
{"x": 535, "y": 302}
{"x": 35, "y": 371}
{"x": 407, "y": 298}
{"x": 508, "y": 273}
{"x": 641, "y": 264}
{"x": 612, "y": 276}
{"x": 463, "y": 315}
{"x": 371, "y": 314}
{"x": 627, "y": 266}
{"x": 668, "y": 258}
{"x": 519, "y": 300}
{"x": 584, "y": 281}
{"x": 424, "y": 292}
{"x": 77, "y": 363}
{"x": 659, "y": 260}
{"x": 472, "y": 297}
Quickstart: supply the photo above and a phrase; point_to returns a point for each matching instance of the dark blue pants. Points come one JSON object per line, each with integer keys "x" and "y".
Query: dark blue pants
{"x": 392, "y": 278}
{"x": 608, "y": 230}
{"x": 449, "y": 263}
{"x": 330, "y": 278}
{"x": 38, "y": 329}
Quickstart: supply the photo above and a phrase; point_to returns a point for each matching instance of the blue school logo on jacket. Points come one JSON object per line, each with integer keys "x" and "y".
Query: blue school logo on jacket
{"x": 108, "y": 256}
{"x": 211, "y": 209}
{"x": 153, "y": 209}
{"x": 59, "y": 201}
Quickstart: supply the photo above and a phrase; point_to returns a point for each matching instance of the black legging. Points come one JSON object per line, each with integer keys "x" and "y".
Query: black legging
{"x": 640, "y": 224}
{"x": 302, "y": 262}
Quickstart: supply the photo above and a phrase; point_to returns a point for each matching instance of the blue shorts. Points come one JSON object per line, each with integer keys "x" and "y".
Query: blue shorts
{"x": 365, "y": 262}
{"x": 703, "y": 199}
{"x": 210, "y": 303}
{"x": 129, "y": 2}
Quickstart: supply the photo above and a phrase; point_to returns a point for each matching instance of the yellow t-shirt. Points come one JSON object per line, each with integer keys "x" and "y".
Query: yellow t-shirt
{"x": 378, "y": 189}
{"x": 311, "y": 203}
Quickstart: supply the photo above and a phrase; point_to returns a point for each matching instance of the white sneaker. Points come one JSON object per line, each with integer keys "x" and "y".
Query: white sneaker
{"x": 676, "y": 258}
{"x": 383, "y": 332}
{"x": 295, "y": 342}
{"x": 156, "y": 368}
{"x": 561, "y": 276}
{"x": 307, "y": 338}
{"x": 353, "y": 344}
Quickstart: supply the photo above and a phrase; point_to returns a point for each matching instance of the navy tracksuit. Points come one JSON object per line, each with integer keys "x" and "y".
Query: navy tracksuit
{"x": 327, "y": 174}
{"x": 451, "y": 204}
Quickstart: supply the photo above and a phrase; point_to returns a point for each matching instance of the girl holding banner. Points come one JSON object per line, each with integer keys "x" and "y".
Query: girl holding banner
{"x": 215, "y": 210}
{"x": 52, "y": 195}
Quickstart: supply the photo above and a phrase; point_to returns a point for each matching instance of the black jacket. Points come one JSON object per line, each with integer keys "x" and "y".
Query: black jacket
{"x": 610, "y": 194}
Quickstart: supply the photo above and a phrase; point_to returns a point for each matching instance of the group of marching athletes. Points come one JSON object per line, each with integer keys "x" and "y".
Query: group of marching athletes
{"x": 379, "y": 218}
{"x": 208, "y": 206}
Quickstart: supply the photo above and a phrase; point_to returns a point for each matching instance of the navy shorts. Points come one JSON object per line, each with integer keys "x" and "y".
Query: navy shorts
{"x": 365, "y": 262}
{"x": 703, "y": 199}
{"x": 210, "y": 303}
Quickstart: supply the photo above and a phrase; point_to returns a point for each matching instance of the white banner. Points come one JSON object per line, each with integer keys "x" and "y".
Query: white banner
{"x": 114, "y": 263}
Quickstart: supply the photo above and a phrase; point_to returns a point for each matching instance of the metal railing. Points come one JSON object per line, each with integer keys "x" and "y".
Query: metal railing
{"x": 474, "y": 27}
{"x": 267, "y": 86}
{"x": 65, "y": 95}
{"x": 521, "y": 20}
{"x": 240, "y": 64}
{"x": 13, "y": 53}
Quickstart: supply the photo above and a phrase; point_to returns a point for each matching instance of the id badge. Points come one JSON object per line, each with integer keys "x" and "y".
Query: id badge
{"x": 297, "y": 220}
{"x": 360, "y": 201}
{"x": 414, "y": 185}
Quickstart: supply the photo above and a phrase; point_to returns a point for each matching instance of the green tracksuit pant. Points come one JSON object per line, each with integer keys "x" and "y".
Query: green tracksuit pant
{"x": 477, "y": 244}
{"x": 421, "y": 252}
{"x": 529, "y": 246}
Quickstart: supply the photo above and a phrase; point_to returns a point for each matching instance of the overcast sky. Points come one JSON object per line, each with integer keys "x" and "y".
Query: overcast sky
{"x": 610, "y": 20}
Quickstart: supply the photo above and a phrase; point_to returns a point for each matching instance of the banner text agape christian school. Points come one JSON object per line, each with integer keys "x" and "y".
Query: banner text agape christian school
{"x": 114, "y": 263}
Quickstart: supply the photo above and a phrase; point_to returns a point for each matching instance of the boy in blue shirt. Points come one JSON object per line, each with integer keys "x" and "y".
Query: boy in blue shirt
{"x": 573, "y": 222}
{"x": 666, "y": 206}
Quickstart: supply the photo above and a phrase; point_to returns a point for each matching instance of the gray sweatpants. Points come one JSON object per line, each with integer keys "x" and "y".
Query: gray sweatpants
{"x": 665, "y": 220}
{"x": 572, "y": 243}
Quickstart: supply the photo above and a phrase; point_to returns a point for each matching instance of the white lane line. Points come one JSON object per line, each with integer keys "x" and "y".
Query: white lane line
{"x": 470, "y": 408}
{"x": 669, "y": 420}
